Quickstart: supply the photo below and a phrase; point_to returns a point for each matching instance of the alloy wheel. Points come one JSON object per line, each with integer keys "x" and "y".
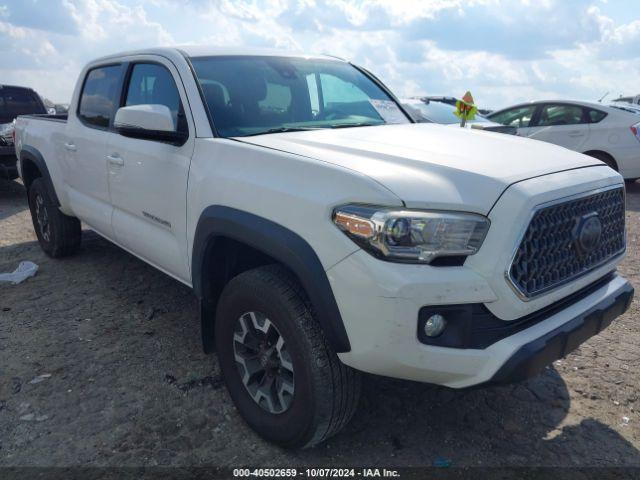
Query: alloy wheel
{"x": 42, "y": 218}
{"x": 263, "y": 362}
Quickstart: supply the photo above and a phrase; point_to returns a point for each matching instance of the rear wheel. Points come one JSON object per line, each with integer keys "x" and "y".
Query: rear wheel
{"x": 284, "y": 378}
{"x": 58, "y": 234}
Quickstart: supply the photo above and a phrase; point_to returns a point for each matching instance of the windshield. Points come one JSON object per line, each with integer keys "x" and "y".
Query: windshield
{"x": 18, "y": 101}
{"x": 437, "y": 112}
{"x": 251, "y": 95}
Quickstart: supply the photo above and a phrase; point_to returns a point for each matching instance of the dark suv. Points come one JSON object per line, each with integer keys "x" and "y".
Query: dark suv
{"x": 14, "y": 101}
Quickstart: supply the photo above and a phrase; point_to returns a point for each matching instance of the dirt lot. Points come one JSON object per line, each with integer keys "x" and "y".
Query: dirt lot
{"x": 129, "y": 384}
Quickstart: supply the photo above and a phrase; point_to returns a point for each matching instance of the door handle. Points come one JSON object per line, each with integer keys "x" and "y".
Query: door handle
{"x": 70, "y": 146}
{"x": 576, "y": 134}
{"x": 115, "y": 160}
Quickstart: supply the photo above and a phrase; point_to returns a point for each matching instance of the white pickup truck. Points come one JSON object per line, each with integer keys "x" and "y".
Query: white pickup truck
{"x": 323, "y": 232}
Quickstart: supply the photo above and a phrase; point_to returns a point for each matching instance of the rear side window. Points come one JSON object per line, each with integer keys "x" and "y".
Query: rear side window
{"x": 18, "y": 101}
{"x": 153, "y": 84}
{"x": 100, "y": 96}
{"x": 557, "y": 115}
{"x": 595, "y": 115}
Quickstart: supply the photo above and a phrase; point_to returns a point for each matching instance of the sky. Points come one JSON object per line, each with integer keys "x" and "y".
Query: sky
{"x": 504, "y": 51}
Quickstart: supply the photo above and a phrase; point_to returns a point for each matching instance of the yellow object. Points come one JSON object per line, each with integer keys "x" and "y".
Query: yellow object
{"x": 465, "y": 109}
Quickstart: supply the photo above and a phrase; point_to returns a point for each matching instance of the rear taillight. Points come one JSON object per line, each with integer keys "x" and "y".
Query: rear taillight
{"x": 635, "y": 129}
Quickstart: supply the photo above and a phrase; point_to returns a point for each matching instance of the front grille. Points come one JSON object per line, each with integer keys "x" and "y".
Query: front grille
{"x": 552, "y": 251}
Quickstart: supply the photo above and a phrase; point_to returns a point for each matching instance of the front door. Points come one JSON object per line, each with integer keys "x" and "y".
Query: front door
{"x": 148, "y": 179}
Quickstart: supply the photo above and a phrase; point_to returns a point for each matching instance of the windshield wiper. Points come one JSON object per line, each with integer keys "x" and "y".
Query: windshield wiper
{"x": 360, "y": 124}
{"x": 282, "y": 130}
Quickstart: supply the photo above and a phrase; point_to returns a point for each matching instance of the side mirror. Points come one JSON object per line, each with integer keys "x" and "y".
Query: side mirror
{"x": 148, "y": 122}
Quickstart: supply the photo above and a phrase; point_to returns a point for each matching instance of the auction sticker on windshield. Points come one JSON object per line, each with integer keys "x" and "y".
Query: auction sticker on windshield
{"x": 388, "y": 110}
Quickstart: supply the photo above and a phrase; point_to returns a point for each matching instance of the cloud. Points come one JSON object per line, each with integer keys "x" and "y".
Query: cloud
{"x": 49, "y": 16}
{"x": 504, "y": 51}
{"x": 45, "y": 53}
{"x": 518, "y": 30}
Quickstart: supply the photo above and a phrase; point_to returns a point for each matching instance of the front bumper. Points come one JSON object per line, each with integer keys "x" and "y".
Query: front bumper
{"x": 382, "y": 326}
{"x": 532, "y": 357}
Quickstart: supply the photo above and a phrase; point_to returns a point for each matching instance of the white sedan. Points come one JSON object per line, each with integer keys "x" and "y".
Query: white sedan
{"x": 608, "y": 133}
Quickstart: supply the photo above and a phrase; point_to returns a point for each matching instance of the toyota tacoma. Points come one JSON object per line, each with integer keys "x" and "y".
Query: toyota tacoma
{"x": 324, "y": 233}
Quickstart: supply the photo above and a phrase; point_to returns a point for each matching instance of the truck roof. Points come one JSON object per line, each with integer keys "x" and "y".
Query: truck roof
{"x": 17, "y": 87}
{"x": 209, "y": 51}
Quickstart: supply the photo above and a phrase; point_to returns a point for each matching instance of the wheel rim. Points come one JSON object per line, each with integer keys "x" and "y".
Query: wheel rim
{"x": 42, "y": 218}
{"x": 263, "y": 362}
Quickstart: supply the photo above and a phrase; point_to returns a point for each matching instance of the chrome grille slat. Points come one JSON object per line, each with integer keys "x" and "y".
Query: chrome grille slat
{"x": 548, "y": 257}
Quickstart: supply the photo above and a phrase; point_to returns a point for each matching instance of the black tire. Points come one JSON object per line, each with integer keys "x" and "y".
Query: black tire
{"x": 326, "y": 391}
{"x": 58, "y": 234}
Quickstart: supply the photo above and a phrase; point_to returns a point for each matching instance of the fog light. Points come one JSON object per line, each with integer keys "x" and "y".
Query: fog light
{"x": 434, "y": 325}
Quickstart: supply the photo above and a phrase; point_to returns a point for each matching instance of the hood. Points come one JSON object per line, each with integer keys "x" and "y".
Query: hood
{"x": 428, "y": 165}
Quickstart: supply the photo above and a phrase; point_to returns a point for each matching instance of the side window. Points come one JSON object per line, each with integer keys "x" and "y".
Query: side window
{"x": 516, "y": 117}
{"x": 596, "y": 115}
{"x": 99, "y": 96}
{"x": 151, "y": 83}
{"x": 556, "y": 115}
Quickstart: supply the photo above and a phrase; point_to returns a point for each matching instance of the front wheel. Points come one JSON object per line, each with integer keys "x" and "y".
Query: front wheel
{"x": 58, "y": 234}
{"x": 284, "y": 378}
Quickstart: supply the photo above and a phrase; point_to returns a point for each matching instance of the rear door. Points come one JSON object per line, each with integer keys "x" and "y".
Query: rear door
{"x": 85, "y": 143}
{"x": 563, "y": 124}
{"x": 148, "y": 178}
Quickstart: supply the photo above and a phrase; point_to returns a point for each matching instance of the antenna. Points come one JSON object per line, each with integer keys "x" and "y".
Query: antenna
{"x": 602, "y": 97}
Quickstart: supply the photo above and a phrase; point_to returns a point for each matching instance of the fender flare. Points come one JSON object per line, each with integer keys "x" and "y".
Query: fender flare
{"x": 33, "y": 155}
{"x": 281, "y": 244}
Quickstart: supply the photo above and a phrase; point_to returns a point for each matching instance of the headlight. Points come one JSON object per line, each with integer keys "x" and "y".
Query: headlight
{"x": 414, "y": 236}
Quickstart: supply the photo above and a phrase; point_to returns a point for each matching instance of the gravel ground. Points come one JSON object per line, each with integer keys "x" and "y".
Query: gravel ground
{"x": 101, "y": 365}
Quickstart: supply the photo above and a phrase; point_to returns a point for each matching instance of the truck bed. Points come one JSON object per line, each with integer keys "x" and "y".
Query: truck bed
{"x": 45, "y": 135}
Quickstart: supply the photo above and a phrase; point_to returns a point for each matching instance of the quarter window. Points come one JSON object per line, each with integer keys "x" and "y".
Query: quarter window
{"x": 99, "y": 96}
{"x": 556, "y": 115}
{"x": 596, "y": 115}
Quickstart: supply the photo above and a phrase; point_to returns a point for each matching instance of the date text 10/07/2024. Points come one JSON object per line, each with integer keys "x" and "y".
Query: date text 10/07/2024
{"x": 316, "y": 472}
